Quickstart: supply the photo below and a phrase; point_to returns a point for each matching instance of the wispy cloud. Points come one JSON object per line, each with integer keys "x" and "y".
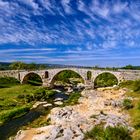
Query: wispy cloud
{"x": 79, "y": 26}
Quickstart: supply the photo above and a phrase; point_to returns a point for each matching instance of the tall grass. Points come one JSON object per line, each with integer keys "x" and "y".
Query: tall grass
{"x": 134, "y": 91}
{"x": 110, "y": 133}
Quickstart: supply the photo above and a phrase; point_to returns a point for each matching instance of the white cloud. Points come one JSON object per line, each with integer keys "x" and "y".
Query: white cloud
{"x": 119, "y": 7}
{"x": 31, "y": 3}
{"x": 66, "y": 5}
{"x": 85, "y": 31}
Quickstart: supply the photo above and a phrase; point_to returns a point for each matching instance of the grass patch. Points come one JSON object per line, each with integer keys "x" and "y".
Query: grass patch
{"x": 127, "y": 103}
{"x": 134, "y": 91}
{"x": 110, "y": 133}
{"x": 15, "y": 100}
{"x": 73, "y": 99}
{"x": 8, "y": 115}
{"x": 9, "y": 96}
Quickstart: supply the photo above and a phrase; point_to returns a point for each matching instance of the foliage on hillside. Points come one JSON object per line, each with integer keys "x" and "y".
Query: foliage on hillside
{"x": 73, "y": 99}
{"x": 16, "y": 100}
{"x": 8, "y": 81}
{"x": 110, "y": 133}
{"x": 7, "y": 115}
{"x": 134, "y": 91}
{"x": 21, "y": 65}
{"x": 105, "y": 80}
{"x": 130, "y": 67}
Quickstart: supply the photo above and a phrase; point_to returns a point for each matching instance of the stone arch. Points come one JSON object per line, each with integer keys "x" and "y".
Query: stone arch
{"x": 52, "y": 80}
{"x": 28, "y": 75}
{"x": 97, "y": 75}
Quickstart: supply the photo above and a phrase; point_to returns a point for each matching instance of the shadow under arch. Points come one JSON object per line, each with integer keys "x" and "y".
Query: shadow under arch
{"x": 33, "y": 79}
{"x": 105, "y": 79}
{"x": 54, "y": 78}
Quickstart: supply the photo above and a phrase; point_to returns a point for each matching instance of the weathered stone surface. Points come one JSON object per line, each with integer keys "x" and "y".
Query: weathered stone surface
{"x": 47, "y": 105}
{"x": 48, "y": 81}
{"x": 71, "y": 122}
{"x": 58, "y": 99}
{"x": 38, "y": 104}
{"x": 58, "y": 103}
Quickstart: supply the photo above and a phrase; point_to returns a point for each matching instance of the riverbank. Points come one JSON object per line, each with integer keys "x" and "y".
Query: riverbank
{"x": 72, "y": 122}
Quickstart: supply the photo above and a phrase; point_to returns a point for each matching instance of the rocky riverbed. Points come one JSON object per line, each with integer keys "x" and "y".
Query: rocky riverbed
{"x": 71, "y": 122}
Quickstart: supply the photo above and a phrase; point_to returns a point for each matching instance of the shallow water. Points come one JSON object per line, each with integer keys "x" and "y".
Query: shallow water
{"x": 61, "y": 95}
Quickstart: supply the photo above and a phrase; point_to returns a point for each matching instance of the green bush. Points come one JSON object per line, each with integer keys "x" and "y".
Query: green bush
{"x": 21, "y": 96}
{"x": 73, "y": 99}
{"x": 8, "y": 81}
{"x": 138, "y": 105}
{"x": 127, "y": 103}
{"x": 126, "y": 84}
{"x": 136, "y": 86}
{"x": 29, "y": 98}
{"x": 39, "y": 95}
{"x": 110, "y": 133}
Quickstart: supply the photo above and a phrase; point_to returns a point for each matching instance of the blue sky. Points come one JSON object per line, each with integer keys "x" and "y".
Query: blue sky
{"x": 78, "y": 32}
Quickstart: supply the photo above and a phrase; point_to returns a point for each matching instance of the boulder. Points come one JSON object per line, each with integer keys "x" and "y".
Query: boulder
{"x": 37, "y": 104}
{"x": 47, "y": 105}
{"x": 58, "y": 103}
{"x": 58, "y": 99}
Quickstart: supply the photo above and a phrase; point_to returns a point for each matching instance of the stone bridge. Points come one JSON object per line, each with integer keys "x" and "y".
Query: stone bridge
{"x": 48, "y": 75}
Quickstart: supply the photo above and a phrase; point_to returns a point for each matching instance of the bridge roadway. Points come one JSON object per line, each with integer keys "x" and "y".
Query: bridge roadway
{"x": 48, "y": 75}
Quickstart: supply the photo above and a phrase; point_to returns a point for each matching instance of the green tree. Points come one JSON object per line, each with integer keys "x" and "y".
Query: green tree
{"x": 128, "y": 67}
{"x": 42, "y": 66}
{"x": 18, "y": 65}
{"x": 32, "y": 66}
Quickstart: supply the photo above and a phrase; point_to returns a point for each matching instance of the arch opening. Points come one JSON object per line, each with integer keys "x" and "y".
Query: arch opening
{"x": 89, "y": 75}
{"x": 67, "y": 78}
{"x": 33, "y": 79}
{"x": 105, "y": 79}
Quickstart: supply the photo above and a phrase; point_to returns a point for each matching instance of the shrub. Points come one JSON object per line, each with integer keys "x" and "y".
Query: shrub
{"x": 21, "y": 96}
{"x": 127, "y": 103}
{"x": 110, "y": 133}
{"x": 73, "y": 99}
{"x": 39, "y": 94}
{"x": 138, "y": 105}
{"x": 29, "y": 98}
{"x": 8, "y": 81}
{"x": 136, "y": 86}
